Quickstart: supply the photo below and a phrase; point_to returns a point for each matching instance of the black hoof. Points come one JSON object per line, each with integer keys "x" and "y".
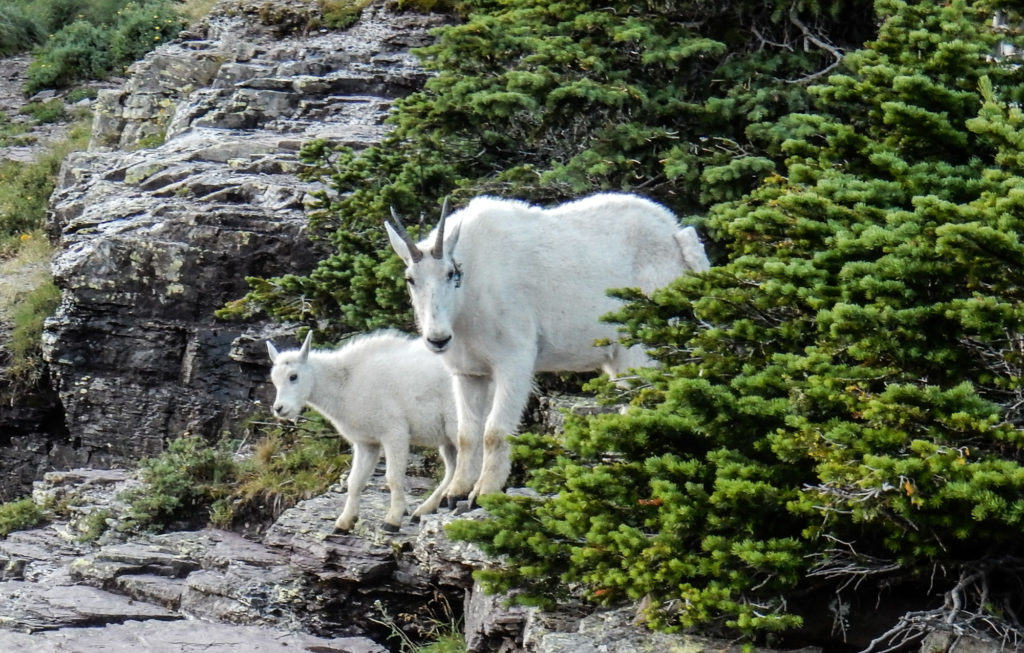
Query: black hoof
{"x": 415, "y": 519}
{"x": 341, "y": 531}
{"x": 390, "y": 528}
{"x": 453, "y": 501}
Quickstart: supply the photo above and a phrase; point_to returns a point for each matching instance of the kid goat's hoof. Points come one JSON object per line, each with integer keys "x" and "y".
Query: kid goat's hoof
{"x": 415, "y": 519}
{"x": 390, "y": 528}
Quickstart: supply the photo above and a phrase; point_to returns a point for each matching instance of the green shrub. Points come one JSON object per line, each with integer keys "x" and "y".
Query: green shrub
{"x": 55, "y": 15}
{"x": 838, "y": 413}
{"x": 339, "y": 14}
{"x": 195, "y": 482}
{"x": 94, "y": 39}
{"x": 180, "y": 484}
{"x": 142, "y": 26}
{"x": 18, "y": 30}
{"x": 19, "y": 515}
{"x": 78, "y": 51}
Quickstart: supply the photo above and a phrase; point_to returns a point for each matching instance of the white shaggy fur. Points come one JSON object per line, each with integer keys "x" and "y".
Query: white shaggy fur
{"x": 383, "y": 390}
{"x": 515, "y": 289}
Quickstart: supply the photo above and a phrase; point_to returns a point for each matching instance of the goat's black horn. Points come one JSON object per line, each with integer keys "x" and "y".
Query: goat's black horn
{"x": 437, "y": 251}
{"x": 414, "y": 251}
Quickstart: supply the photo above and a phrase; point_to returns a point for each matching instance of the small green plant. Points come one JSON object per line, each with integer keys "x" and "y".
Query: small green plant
{"x": 45, "y": 112}
{"x": 19, "y": 515}
{"x": 93, "y": 525}
{"x": 79, "y": 94}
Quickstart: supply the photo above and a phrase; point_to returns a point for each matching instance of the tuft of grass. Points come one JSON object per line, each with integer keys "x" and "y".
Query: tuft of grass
{"x": 19, "y": 515}
{"x": 290, "y": 464}
{"x": 25, "y": 188}
{"x": 194, "y": 10}
{"x": 180, "y": 485}
{"x": 26, "y": 369}
{"x": 453, "y": 642}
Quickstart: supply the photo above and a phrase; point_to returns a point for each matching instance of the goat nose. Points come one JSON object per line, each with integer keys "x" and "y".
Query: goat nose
{"x": 277, "y": 409}
{"x": 439, "y": 343}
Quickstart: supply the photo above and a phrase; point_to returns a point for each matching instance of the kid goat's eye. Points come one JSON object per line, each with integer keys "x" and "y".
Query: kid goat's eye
{"x": 410, "y": 281}
{"x": 293, "y": 377}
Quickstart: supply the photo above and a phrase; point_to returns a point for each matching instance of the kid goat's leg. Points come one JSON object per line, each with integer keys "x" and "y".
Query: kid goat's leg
{"x": 448, "y": 454}
{"x": 364, "y": 459}
{"x": 396, "y": 455}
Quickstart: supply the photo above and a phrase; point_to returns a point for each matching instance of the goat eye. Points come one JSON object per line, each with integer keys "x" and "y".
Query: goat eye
{"x": 451, "y": 274}
{"x": 293, "y": 377}
{"x": 410, "y": 281}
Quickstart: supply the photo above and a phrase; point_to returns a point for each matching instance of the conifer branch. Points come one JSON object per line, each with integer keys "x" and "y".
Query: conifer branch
{"x": 818, "y": 41}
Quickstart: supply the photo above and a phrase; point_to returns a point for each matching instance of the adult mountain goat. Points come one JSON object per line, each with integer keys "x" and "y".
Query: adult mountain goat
{"x": 383, "y": 390}
{"x": 512, "y": 289}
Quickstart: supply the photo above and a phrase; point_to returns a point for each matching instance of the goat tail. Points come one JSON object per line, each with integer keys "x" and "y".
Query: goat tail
{"x": 692, "y": 249}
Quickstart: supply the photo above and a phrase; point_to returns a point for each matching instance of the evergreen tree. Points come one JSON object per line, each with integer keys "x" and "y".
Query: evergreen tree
{"x": 839, "y": 406}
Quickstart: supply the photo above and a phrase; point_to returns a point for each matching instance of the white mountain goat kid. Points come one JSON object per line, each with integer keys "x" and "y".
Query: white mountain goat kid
{"x": 513, "y": 289}
{"x": 383, "y": 390}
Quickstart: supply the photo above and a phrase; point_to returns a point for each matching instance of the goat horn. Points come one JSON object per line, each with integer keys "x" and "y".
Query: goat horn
{"x": 438, "y": 250}
{"x": 414, "y": 251}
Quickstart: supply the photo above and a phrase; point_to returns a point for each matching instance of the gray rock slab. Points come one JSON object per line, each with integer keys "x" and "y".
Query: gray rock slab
{"x": 184, "y": 636}
{"x": 30, "y": 607}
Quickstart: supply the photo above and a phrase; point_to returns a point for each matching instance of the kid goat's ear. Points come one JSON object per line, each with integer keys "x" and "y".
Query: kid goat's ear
{"x": 272, "y": 350}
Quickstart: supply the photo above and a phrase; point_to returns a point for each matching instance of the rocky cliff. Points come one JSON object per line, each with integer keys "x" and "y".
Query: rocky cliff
{"x": 190, "y": 184}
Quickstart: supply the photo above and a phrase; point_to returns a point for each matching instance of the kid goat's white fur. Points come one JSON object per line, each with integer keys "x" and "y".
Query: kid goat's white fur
{"x": 512, "y": 289}
{"x": 383, "y": 390}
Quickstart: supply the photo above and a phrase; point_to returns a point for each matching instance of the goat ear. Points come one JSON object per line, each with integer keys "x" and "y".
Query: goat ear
{"x": 304, "y": 352}
{"x": 272, "y": 350}
{"x": 399, "y": 245}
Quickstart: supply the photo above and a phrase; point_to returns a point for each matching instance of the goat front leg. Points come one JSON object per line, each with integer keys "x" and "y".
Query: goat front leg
{"x": 364, "y": 459}
{"x": 396, "y": 455}
{"x": 472, "y": 397}
{"x": 511, "y": 392}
